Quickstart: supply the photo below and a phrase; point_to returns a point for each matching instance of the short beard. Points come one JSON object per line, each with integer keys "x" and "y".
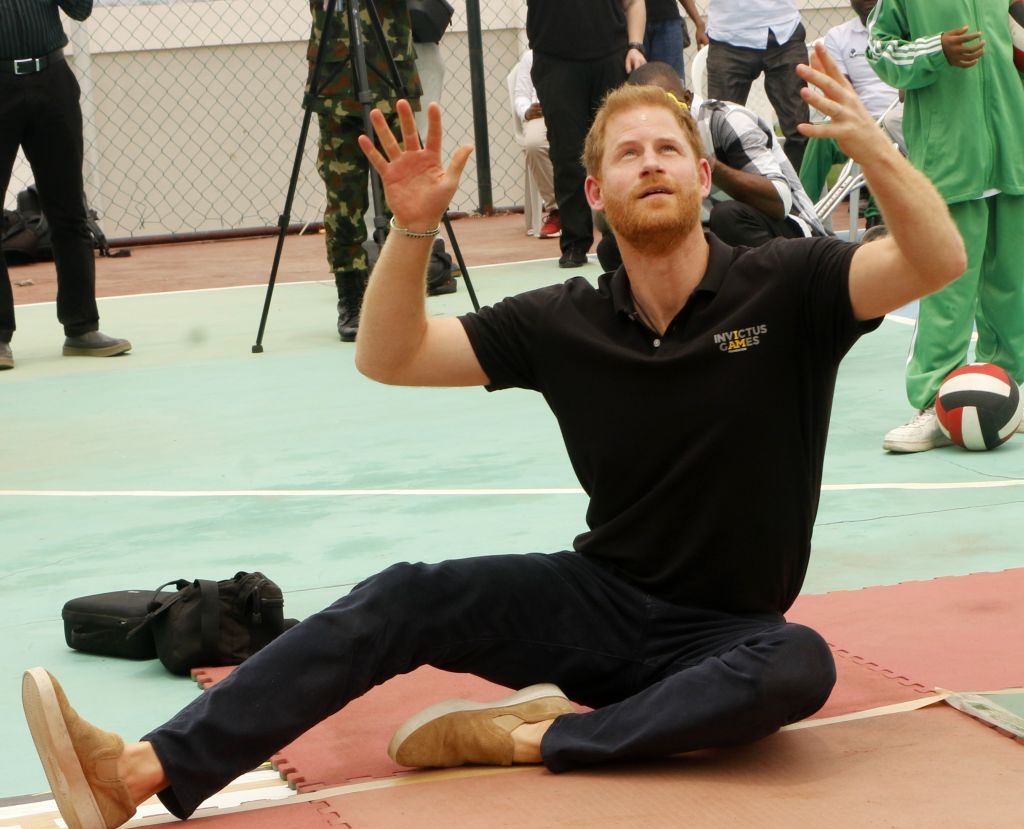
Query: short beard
{"x": 654, "y": 234}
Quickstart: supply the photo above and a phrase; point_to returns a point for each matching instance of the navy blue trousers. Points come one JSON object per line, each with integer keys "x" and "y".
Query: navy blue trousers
{"x": 663, "y": 679}
{"x": 41, "y": 114}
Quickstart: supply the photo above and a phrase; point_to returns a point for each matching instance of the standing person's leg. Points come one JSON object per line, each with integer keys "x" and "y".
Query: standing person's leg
{"x": 11, "y": 115}
{"x": 1000, "y": 315}
{"x": 53, "y": 145}
{"x": 782, "y": 85}
{"x": 945, "y": 319}
{"x": 663, "y": 41}
{"x": 820, "y": 156}
{"x": 345, "y": 172}
{"x": 565, "y": 90}
{"x": 731, "y": 70}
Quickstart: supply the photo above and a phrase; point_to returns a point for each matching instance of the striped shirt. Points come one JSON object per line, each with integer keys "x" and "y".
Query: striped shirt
{"x": 739, "y": 138}
{"x": 32, "y": 28}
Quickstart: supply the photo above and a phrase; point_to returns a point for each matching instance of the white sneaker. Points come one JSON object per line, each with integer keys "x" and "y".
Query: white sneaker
{"x": 919, "y": 434}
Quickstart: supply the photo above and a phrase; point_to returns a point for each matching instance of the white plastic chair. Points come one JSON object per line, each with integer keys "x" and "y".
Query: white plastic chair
{"x": 533, "y": 208}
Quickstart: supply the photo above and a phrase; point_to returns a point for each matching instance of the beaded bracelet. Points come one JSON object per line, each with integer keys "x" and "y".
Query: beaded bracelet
{"x": 415, "y": 234}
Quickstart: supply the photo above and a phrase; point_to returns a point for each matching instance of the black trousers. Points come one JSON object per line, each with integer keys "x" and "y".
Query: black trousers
{"x": 41, "y": 114}
{"x": 662, "y": 678}
{"x": 736, "y": 223}
{"x": 570, "y": 93}
{"x": 732, "y": 69}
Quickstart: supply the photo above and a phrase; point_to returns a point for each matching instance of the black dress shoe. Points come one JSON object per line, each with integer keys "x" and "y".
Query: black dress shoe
{"x": 6, "y": 357}
{"x": 95, "y": 344}
{"x": 573, "y": 258}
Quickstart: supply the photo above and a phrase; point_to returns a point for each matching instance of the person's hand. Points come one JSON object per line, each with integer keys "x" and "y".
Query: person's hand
{"x": 961, "y": 48}
{"x": 700, "y": 35}
{"x": 534, "y": 111}
{"x": 634, "y": 60}
{"x": 417, "y": 186}
{"x": 831, "y": 93}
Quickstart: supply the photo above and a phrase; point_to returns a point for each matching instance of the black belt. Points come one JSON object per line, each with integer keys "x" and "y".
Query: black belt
{"x": 29, "y": 66}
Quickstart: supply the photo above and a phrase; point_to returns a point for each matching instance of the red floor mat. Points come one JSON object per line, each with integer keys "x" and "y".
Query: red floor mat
{"x": 933, "y": 767}
{"x": 892, "y": 644}
{"x": 963, "y": 633}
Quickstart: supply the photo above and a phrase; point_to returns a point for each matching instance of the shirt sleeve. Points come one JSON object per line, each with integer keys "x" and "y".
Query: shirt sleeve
{"x": 743, "y": 144}
{"x": 899, "y": 59}
{"x": 505, "y": 336}
{"x": 835, "y": 49}
{"x": 76, "y": 9}
{"x": 832, "y": 326}
{"x": 524, "y": 92}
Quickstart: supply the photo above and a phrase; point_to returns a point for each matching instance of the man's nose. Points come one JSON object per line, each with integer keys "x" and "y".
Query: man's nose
{"x": 651, "y": 160}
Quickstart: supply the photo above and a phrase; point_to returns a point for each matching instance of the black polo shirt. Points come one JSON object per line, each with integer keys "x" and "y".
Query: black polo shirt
{"x": 701, "y": 451}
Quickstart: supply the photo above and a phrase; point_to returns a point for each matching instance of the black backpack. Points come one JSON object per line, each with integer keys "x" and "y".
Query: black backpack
{"x": 26, "y": 233}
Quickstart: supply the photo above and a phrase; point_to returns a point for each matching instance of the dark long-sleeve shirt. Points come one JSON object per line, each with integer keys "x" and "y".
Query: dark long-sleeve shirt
{"x": 32, "y": 28}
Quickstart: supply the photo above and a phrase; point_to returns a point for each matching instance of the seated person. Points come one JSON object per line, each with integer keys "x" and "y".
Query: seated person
{"x": 535, "y": 138}
{"x": 756, "y": 194}
{"x": 847, "y": 43}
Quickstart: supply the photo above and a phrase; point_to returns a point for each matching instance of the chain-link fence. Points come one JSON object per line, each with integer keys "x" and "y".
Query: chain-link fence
{"x": 193, "y": 110}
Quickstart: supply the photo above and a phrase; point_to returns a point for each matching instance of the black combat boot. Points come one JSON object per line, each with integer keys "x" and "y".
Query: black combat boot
{"x": 351, "y": 287}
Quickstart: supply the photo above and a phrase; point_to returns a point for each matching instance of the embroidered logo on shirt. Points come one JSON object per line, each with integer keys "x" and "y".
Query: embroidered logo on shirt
{"x": 740, "y": 339}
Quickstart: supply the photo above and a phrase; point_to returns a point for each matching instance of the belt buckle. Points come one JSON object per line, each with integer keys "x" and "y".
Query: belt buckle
{"x": 33, "y": 66}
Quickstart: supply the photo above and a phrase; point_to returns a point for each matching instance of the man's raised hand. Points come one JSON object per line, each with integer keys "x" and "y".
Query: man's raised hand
{"x": 417, "y": 186}
{"x": 831, "y": 93}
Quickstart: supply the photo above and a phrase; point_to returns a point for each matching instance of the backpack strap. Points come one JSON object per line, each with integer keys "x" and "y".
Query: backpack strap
{"x": 209, "y": 614}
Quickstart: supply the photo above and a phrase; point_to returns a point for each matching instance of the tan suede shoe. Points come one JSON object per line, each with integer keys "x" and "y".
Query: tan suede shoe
{"x": 79, "y": 759}
{"x": 458, "y": 731}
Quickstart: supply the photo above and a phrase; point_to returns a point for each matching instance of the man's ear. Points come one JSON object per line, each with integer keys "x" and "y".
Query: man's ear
{"x": 704, "y": 176}
{"x": 593, "y": 191}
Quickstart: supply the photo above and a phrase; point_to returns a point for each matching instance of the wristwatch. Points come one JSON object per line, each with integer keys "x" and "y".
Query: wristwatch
{"x": 638, "y": 46}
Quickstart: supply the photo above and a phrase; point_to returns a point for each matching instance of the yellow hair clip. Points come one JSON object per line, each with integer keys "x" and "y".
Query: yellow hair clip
{"x": 681, "y": 104}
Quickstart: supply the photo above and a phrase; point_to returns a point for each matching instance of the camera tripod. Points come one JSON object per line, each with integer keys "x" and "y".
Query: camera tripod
{"x": 357, "y": 54}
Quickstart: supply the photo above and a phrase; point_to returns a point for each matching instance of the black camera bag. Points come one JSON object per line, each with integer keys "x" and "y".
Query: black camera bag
{"x": 429, "y": 18}
{"x": 107, "y": 624}
{"x": 211, "y": 623}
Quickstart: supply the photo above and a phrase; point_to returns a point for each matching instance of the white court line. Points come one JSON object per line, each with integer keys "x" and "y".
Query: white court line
{"x": 901, "y": 319}
{"x": 434, "y": 493}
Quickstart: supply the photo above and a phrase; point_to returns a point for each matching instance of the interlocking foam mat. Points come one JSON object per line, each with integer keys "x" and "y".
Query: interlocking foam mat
{"x": 892, "y": 645}
{"x": 957, "y": 632}
{"x": 929, "y": 767}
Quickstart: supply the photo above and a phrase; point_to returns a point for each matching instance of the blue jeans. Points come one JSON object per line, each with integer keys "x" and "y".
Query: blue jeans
{"x": 663, "y": 41}
{"x": 662, "y": 678}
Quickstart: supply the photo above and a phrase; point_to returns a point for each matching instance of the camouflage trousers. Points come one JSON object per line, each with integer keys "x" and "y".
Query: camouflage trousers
{"x": 345, "y": 172}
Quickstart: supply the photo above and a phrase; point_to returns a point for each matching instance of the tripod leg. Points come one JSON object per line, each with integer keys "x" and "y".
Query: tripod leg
{"x": 285, "y": 218}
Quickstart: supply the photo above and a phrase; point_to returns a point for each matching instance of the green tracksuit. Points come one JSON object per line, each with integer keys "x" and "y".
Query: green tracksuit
{"x": 964, "y": 129}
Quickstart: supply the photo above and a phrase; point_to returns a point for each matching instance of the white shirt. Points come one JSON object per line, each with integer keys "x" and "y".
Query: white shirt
{"x": 847, "y": 44}
{"x": 525, "y": 94}
{"x": 747, "y": 22}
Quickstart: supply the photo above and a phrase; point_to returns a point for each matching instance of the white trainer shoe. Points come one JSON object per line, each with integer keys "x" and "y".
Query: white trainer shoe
{"x": 919, "y": 434}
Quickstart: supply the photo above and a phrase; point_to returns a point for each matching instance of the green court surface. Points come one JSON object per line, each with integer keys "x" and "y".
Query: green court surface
{"x": 194, "y": 458}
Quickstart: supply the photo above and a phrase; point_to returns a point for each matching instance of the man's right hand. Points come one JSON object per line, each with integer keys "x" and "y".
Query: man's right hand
{"x": 417, "y": 185}
{"x": 962, "y": 48}
{"x": 534, "y": 111}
